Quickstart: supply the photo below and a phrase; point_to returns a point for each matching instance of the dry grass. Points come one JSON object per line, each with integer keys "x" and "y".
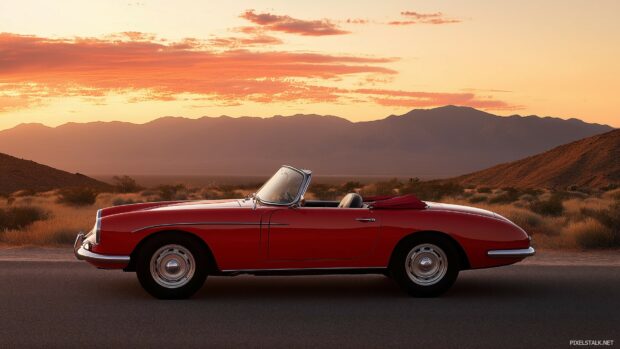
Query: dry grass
{"x": 61, "y": 226}
{"x": 571, "y": 230}
{"x": 590, "y": 233}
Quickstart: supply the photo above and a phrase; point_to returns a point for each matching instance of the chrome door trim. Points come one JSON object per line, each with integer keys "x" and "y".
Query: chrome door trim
{"x": 200, "y": 223}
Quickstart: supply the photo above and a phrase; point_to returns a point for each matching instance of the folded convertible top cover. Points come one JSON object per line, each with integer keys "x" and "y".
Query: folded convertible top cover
{"x": 409, "y": 201}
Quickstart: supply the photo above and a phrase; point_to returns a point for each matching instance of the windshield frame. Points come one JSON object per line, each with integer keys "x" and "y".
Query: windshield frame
{"x": 307, "y": 176}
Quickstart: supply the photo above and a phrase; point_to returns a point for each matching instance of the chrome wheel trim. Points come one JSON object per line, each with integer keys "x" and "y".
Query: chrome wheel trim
{"x": 172, "y": 266}
{"x": 426, "y": 264}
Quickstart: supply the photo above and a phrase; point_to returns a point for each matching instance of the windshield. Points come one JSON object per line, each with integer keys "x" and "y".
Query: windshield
{"x": 282, "y": 188}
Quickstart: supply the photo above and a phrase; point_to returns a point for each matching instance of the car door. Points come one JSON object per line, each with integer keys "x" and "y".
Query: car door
{"x": 322, "y": 234}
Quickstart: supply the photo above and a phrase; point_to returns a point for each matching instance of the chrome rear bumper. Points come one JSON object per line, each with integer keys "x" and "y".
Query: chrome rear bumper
{"x": 518, "y": 253}
{"x": 81, "y": 251}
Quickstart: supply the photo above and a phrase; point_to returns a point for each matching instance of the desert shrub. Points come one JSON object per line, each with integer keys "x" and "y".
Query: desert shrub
{"x": 78, "y": 196}
{"x": 10, "y": 200}
{"x": 610, "y": 218}
{"x": 484, "y": 190}
{"x": 350, "y": 187}
{"x": 125, "y": 184}
{"x": 477, "y": 198}
{"x": 613, "y": 194}
{"x": 228, "y": 191}
{"x": 325, "y": 191}
{"x": 172, "y": 192}
{"x": 527, "y": 197}
{"x": 432, "y": 190}
{"x": 123, "y": 201}
{"x": 210, "y": 194}
{"x": 550, "y": 207}
{"x": 593, "y": 234}
{"x": 529, "y": 221}
{"x": 17, "y": 218}
{"x": 62, "y": 237}
{"x": 390, "y": 187}
{"x": 24, "y": 192}
{"x": 507, "y": 195}
{"x": 610, "y": 187}
{"x": 213, "y": 192}
{"x": 149, "y": 192}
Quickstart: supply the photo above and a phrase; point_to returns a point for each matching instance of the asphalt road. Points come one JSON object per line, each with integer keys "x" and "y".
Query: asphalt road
{"x": 62, "y": 304}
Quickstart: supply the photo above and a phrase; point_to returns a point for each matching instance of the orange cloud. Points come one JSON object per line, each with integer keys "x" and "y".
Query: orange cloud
{"x": 34, "y": 69}
{"x": 423, "y": 18}
{"x": 415, "y": 99}
{"x": 237, "y": 42}
{"x": 292, "y": 25}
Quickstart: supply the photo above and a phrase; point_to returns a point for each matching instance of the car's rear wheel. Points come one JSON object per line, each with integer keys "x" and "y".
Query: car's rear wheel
{"x": 425, "y": 266}
{"x": 171, "y": 267}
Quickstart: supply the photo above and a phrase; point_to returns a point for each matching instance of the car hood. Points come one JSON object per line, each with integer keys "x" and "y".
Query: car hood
{"x": 202, "y": 204}
{"x": 176, "y": 205}
{"x": 460, "y": 208}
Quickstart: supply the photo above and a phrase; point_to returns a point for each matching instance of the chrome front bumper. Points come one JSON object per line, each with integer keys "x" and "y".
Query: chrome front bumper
{"x": 81, "y": 249}
{"x": 518, "y": 253}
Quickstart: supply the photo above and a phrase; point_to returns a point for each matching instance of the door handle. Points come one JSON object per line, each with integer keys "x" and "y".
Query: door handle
{"x": 365, "y": 220}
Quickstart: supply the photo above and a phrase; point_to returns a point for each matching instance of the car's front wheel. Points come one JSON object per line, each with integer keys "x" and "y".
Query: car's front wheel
{"x": 425, "y": 266}
{"x": 171, "y": 267}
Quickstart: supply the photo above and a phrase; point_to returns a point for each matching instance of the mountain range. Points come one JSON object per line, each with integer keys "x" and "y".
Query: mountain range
{"x": 589, "y": 162}
{"x": 428, "y": 143}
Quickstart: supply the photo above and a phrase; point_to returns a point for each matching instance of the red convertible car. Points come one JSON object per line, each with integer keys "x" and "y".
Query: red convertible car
{"x": 174, "y": 246}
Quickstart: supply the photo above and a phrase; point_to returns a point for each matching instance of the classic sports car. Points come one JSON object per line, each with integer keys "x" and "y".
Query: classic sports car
{"x": 174, "y": 246}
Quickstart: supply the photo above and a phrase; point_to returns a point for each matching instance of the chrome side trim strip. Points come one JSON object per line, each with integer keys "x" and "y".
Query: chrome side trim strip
{"x": 294, "y": 269}
{"x": 201, "y": 223}
{"x": 524, "y": 252}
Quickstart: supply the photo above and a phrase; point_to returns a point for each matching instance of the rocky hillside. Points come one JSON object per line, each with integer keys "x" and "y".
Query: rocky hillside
{"x": 18, "y": 174}
{"x": 590, "y": 162}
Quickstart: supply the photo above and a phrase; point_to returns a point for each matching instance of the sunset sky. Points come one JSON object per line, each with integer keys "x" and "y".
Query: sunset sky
{"x": 78, "y": 61}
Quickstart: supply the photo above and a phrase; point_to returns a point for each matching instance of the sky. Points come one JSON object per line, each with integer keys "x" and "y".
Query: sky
{"x": 81, "y": 61}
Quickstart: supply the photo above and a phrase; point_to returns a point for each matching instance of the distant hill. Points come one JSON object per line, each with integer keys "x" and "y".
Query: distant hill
{"x": 17, "y": 174}
{"x": 590, "y": 162}
{"x": 439, "y": 142}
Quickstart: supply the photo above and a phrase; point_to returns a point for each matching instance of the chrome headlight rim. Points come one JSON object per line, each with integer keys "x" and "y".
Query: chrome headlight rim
{"x": 97, "y": 228}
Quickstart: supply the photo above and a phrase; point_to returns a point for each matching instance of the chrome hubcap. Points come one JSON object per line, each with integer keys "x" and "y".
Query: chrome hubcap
{"x": 426, "y": 264}
{"x": 172, "y": 266}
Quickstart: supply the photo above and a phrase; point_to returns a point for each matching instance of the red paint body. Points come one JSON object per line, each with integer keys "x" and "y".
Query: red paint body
{"x": 243, "y": 237}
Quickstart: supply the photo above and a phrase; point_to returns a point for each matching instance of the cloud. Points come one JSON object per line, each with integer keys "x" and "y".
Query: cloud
{"x": 240, "y": 42}
{"x": 219, "y": 71}
{"x": 416, "y": 99}
{"x": 39, "y": 68}
{"x": 413, "y": 17}
{"x": 357, "y": 21}
{"x": 292, "y": 25}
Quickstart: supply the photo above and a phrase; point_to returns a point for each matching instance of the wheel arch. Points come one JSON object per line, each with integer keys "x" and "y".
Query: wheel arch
{"x": 212, "y": 263}
{"x": 463, "y": 259}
